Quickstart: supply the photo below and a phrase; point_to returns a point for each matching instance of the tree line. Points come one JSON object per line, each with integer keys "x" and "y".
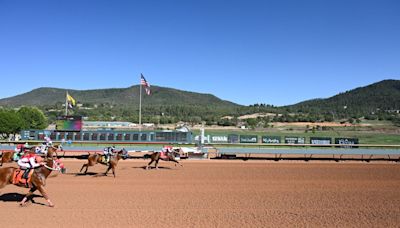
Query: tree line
{"x": 13, "y": 121}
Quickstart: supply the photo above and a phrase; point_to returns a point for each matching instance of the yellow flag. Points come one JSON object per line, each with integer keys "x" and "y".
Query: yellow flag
{"x": 71, "y": 100}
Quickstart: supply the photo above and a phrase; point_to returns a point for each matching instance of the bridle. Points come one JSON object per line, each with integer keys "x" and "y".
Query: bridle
{"x": 58, "y": 168}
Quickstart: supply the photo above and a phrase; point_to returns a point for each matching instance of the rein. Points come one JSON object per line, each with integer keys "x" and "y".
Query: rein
{"x": 51, "y": 168}
{"x": 48, "y": 167}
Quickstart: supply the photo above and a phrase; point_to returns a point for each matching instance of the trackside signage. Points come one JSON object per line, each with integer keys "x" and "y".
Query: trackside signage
{"x": 271, "y": 139}
{"x": 320, "y": 140}
{"x": 346, "y": 142}
{"x": 219, "y": 139}
{"x": 295, "y": 140}
{"x": 248, "y": 138}
{"x": 233, "y": 138}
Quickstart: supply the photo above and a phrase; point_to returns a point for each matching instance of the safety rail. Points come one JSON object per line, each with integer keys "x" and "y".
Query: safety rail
{"x": 307, "y": 151}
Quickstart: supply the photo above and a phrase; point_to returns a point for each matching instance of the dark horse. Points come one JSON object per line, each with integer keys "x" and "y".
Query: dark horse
{"x": 112, "y": 164}
{"x": 38, "y": 179}
{"x": 8, "y": 156}
{"x": 167, "y": 156}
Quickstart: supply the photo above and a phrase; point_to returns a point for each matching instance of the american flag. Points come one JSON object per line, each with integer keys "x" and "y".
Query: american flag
{"x": 145, "y": 84}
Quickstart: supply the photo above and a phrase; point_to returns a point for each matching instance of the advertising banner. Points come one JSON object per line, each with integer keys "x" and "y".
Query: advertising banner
{"x": 295, "y": 140}
{"x": 219, "y": 138}
{"x": 233, "y": 138}
{"x": 271, "y": 139}
{"x": 347, "y": 142}
{"x": 320, "y": 140}
{"x": 248, "y": 139}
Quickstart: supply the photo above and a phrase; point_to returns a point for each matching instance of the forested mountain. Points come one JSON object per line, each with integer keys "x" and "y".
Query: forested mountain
{"x": 166, "y": 105}
{"x": 379, "y": 97}
{"x": 115, "y": 96}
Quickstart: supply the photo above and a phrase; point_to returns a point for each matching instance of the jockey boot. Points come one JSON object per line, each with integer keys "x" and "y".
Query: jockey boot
{"x": 26, "y": 174}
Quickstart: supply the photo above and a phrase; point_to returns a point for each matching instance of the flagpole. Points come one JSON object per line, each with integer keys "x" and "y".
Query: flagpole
{"x": 140, "y": 107}
{"x": 66, "y": 103}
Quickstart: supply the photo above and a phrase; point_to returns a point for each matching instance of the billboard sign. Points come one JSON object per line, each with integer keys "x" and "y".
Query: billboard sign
{"x": 347, "y": 142}
{"x": 295, "y": 140}
{"x": 320, "y": 140}
{"x": 248, "y": 139}
{"x": 233, "y": 138}
{"x": 219, "y": 139}
{"x": 271, "y": 139}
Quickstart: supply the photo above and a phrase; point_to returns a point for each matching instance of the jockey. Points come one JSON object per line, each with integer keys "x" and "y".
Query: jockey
{"x": 48, "y": 141}
{"x": 45, "y": 145}
{"x": 166, "y": 149}
{"x": 28, "y": 162}
{"x": 20, "y": 148}
{"x": 108, "y": 152}
{"x": 19, "y": 151}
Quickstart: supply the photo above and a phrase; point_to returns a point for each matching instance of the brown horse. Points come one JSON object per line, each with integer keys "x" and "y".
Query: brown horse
{"x": 98, "y": 158}
{"x": 9, "y": 155}
{"x": 38, "y": 179}
{"x": 168, "y": 156}
{"x": 52, "y": 150}
{"x": 6, "y": 157}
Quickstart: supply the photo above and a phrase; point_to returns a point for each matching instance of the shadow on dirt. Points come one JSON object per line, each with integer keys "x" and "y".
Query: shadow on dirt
{"x": 144, "y": 167}
{"x": 84, "y": 174}
{"x": 93, "y": 174}
{"x": 17, "y": 197}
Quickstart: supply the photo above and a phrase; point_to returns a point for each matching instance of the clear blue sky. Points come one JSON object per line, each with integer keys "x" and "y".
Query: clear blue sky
{"x": 276, "y": 52}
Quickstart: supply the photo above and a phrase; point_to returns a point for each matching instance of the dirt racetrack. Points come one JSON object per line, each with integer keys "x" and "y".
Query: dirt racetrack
{"x": 214, "y": 194}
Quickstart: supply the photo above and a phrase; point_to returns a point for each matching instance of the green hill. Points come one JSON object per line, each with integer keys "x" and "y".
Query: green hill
{"x": 165, "y": 105}
{"x": 383, "y": 96}
{"x": 380, "y": 100}
{"x": 115, "y": 96}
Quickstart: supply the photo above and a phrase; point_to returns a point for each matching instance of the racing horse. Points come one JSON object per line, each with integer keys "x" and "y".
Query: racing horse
{"x": 8, "y": 156}
{"x": 165, "y": 156}
{"x": 50, "y": 149}
{"x": 37, "y": 181}
{"x": 112, "y": 164}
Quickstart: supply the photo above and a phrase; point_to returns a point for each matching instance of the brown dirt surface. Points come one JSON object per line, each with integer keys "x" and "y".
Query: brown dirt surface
{"x": 214, "y": 193}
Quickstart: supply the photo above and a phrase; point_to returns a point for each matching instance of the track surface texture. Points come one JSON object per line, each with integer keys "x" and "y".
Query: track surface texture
{"x": 213, "y": 193}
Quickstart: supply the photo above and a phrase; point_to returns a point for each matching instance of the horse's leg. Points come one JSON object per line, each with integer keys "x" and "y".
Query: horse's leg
{"x": 176, "y": 162}
{"x": 44, "y": 194}
{"x": 3, "y": 183}
{"x": 23, "y": 201}
{"x": 6, "y": 175}
{"x": 83, "y": 166}
{"x": 148, "y": 165}
{"x": 157, "y": 163}
{"x": 3, "y": 158}
{"x": 113, "y": 170}
{"x": 108, "y": 169}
